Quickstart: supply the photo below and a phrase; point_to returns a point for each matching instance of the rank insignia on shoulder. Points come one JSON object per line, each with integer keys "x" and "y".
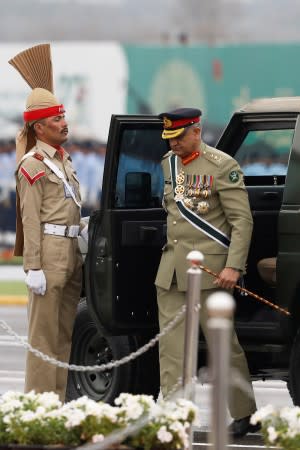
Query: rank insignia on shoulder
{"x": 31, "y": 180}
{"x": 234, "y": 176}
{"x": 38, "y": 156}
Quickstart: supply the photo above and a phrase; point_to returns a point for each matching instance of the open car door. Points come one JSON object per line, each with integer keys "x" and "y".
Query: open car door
{"x": 261, "y": 142}
{"x": 127, "y": 233}
{"x": 288, "y": 258}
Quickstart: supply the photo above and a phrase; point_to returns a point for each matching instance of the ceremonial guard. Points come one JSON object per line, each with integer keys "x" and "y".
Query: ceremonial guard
{"x": 48, "y": 224}
{"x": 208, "y": 210}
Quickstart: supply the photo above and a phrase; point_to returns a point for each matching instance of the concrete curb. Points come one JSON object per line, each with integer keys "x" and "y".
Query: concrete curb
{"x": 13, "y": 300}
{"x": 11, "y": 273}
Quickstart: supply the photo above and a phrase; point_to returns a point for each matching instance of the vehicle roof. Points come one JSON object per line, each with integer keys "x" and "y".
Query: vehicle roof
{"x": 272, "y": 104}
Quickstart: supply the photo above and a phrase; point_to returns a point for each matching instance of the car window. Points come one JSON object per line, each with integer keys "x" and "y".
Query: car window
{"x": 265, "y": 152}
{"x": 140, "y": 178}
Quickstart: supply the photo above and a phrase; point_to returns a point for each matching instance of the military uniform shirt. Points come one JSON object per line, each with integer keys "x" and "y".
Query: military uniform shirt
{"x": 44, "y": 199}
{"x": 228, "y": 211}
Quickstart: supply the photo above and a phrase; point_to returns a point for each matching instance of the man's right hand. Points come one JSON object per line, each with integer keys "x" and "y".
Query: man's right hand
{"x": 36, "y": 281}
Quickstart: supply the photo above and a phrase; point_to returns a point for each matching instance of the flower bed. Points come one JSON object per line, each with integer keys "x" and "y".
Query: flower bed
{"x": 280, "y": 427}
{"x": 40, "y": 419}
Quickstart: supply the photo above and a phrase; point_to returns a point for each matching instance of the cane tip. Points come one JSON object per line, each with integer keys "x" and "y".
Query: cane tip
{"x": 220, "y": 304}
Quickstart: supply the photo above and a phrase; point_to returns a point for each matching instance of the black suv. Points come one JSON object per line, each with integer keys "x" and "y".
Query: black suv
{"x": 119, "y": 313}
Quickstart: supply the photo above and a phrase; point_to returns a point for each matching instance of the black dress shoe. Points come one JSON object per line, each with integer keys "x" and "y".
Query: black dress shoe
{"x": 240, "y": 427}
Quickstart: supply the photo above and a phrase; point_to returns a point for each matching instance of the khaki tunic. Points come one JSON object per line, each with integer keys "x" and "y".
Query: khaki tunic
{"x": 44, "y": 199}
{"x": 229, "y": 212}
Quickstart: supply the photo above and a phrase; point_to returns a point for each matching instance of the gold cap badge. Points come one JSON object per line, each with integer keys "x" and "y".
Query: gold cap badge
{"x": 167, "y": 122}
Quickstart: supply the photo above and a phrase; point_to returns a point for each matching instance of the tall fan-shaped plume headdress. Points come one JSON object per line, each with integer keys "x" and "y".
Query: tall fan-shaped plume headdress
{"x": 35, "y": 66}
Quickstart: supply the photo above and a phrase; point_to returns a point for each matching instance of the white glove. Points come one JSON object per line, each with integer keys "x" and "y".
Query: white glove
{"x": 36, "y": 281}
{"x": 84, "y": 233}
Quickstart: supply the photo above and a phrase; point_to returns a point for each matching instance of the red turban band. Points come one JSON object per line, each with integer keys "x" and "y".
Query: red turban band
{"x": 37, "y": 114}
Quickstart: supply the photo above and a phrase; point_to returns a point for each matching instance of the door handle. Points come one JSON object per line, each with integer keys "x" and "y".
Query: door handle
{"x": 147, "y": 233}
{"x": 270, "y": 195}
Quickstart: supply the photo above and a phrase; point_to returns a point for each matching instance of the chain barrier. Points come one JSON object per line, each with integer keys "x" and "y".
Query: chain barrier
{"x": 177, "y": 389}
{"x": 101, "y": 367}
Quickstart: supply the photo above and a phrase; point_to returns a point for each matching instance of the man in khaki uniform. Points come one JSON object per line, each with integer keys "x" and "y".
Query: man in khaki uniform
{"x": 208, "y": 210}
{"x": 48, "y": 209}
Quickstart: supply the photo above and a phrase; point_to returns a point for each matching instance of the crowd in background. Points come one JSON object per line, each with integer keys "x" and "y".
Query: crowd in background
{"x": 88, "y": 159}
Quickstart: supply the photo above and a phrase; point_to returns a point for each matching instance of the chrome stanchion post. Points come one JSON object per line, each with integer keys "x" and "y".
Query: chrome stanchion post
{"x": 220, "y": 306}
{"x": 192, "y": 325}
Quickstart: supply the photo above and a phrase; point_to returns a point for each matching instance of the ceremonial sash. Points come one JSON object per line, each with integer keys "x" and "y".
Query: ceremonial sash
{"x": 199, "y": 223}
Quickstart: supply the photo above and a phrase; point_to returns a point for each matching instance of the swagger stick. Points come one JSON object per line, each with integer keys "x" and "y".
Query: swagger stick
{"x": 261, "y": 299}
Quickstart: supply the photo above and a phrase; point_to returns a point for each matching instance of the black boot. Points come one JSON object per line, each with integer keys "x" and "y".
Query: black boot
{"x": 240, "y": 427}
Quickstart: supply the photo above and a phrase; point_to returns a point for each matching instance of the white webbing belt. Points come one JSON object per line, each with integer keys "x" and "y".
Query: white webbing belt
{"x": 57, "y": 172}
{"x": 70, "y": 231}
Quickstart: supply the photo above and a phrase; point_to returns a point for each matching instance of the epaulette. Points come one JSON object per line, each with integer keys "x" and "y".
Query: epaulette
{"x": 214, "y": 155}
{"x": 38, "y": 156}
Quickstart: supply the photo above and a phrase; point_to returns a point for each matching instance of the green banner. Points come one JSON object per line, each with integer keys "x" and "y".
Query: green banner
{"x": 217, "y": 79}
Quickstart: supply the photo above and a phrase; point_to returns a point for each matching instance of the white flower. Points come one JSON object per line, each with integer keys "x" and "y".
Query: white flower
{"x": 10, "y": 395}
{"x": 55, "y": 414}
{"x": 181, "y": 430}
{"x": 290, "y": 414}
{"x": 10, "y": 405}
{"x": 49, "y": 400}
{"x": 75, "y": 419}
{"x": 28, "y": 416}
{"x": 134, "y": 406}
{"x": 172, "y": 419}
{"x": 272, "y": 434}
{"x": 164, "y": 435}
{"x": 133, "y": 411}
{"x": 180, "y": 410}
{"x": 97, "y": 438}
{"x": 8, "y": 418}
{"x": 262, "y": 414}
{"x": 40, "y": 410}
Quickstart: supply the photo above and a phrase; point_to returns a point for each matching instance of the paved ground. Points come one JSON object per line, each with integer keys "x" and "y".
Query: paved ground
{"x": 8, "y": 273}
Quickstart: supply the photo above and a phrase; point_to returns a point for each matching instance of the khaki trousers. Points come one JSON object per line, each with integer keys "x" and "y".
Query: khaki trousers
{"x": 51, "y": 318}
{"x": 171, "y": 347}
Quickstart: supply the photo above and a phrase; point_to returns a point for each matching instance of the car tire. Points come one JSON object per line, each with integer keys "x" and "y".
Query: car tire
{"x": 89, "y": 347}
{"x": 293, "y": 383}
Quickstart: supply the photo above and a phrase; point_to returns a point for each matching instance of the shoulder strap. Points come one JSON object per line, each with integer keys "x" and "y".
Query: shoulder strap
{"x": 55, "y": 170}
{"x": 199, "y": 223}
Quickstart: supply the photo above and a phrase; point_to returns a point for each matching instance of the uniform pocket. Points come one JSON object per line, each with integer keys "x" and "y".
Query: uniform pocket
{"x": 55, "y": 253}
{"x": 215, "y": 262}
{"x": 54, "y": 178}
